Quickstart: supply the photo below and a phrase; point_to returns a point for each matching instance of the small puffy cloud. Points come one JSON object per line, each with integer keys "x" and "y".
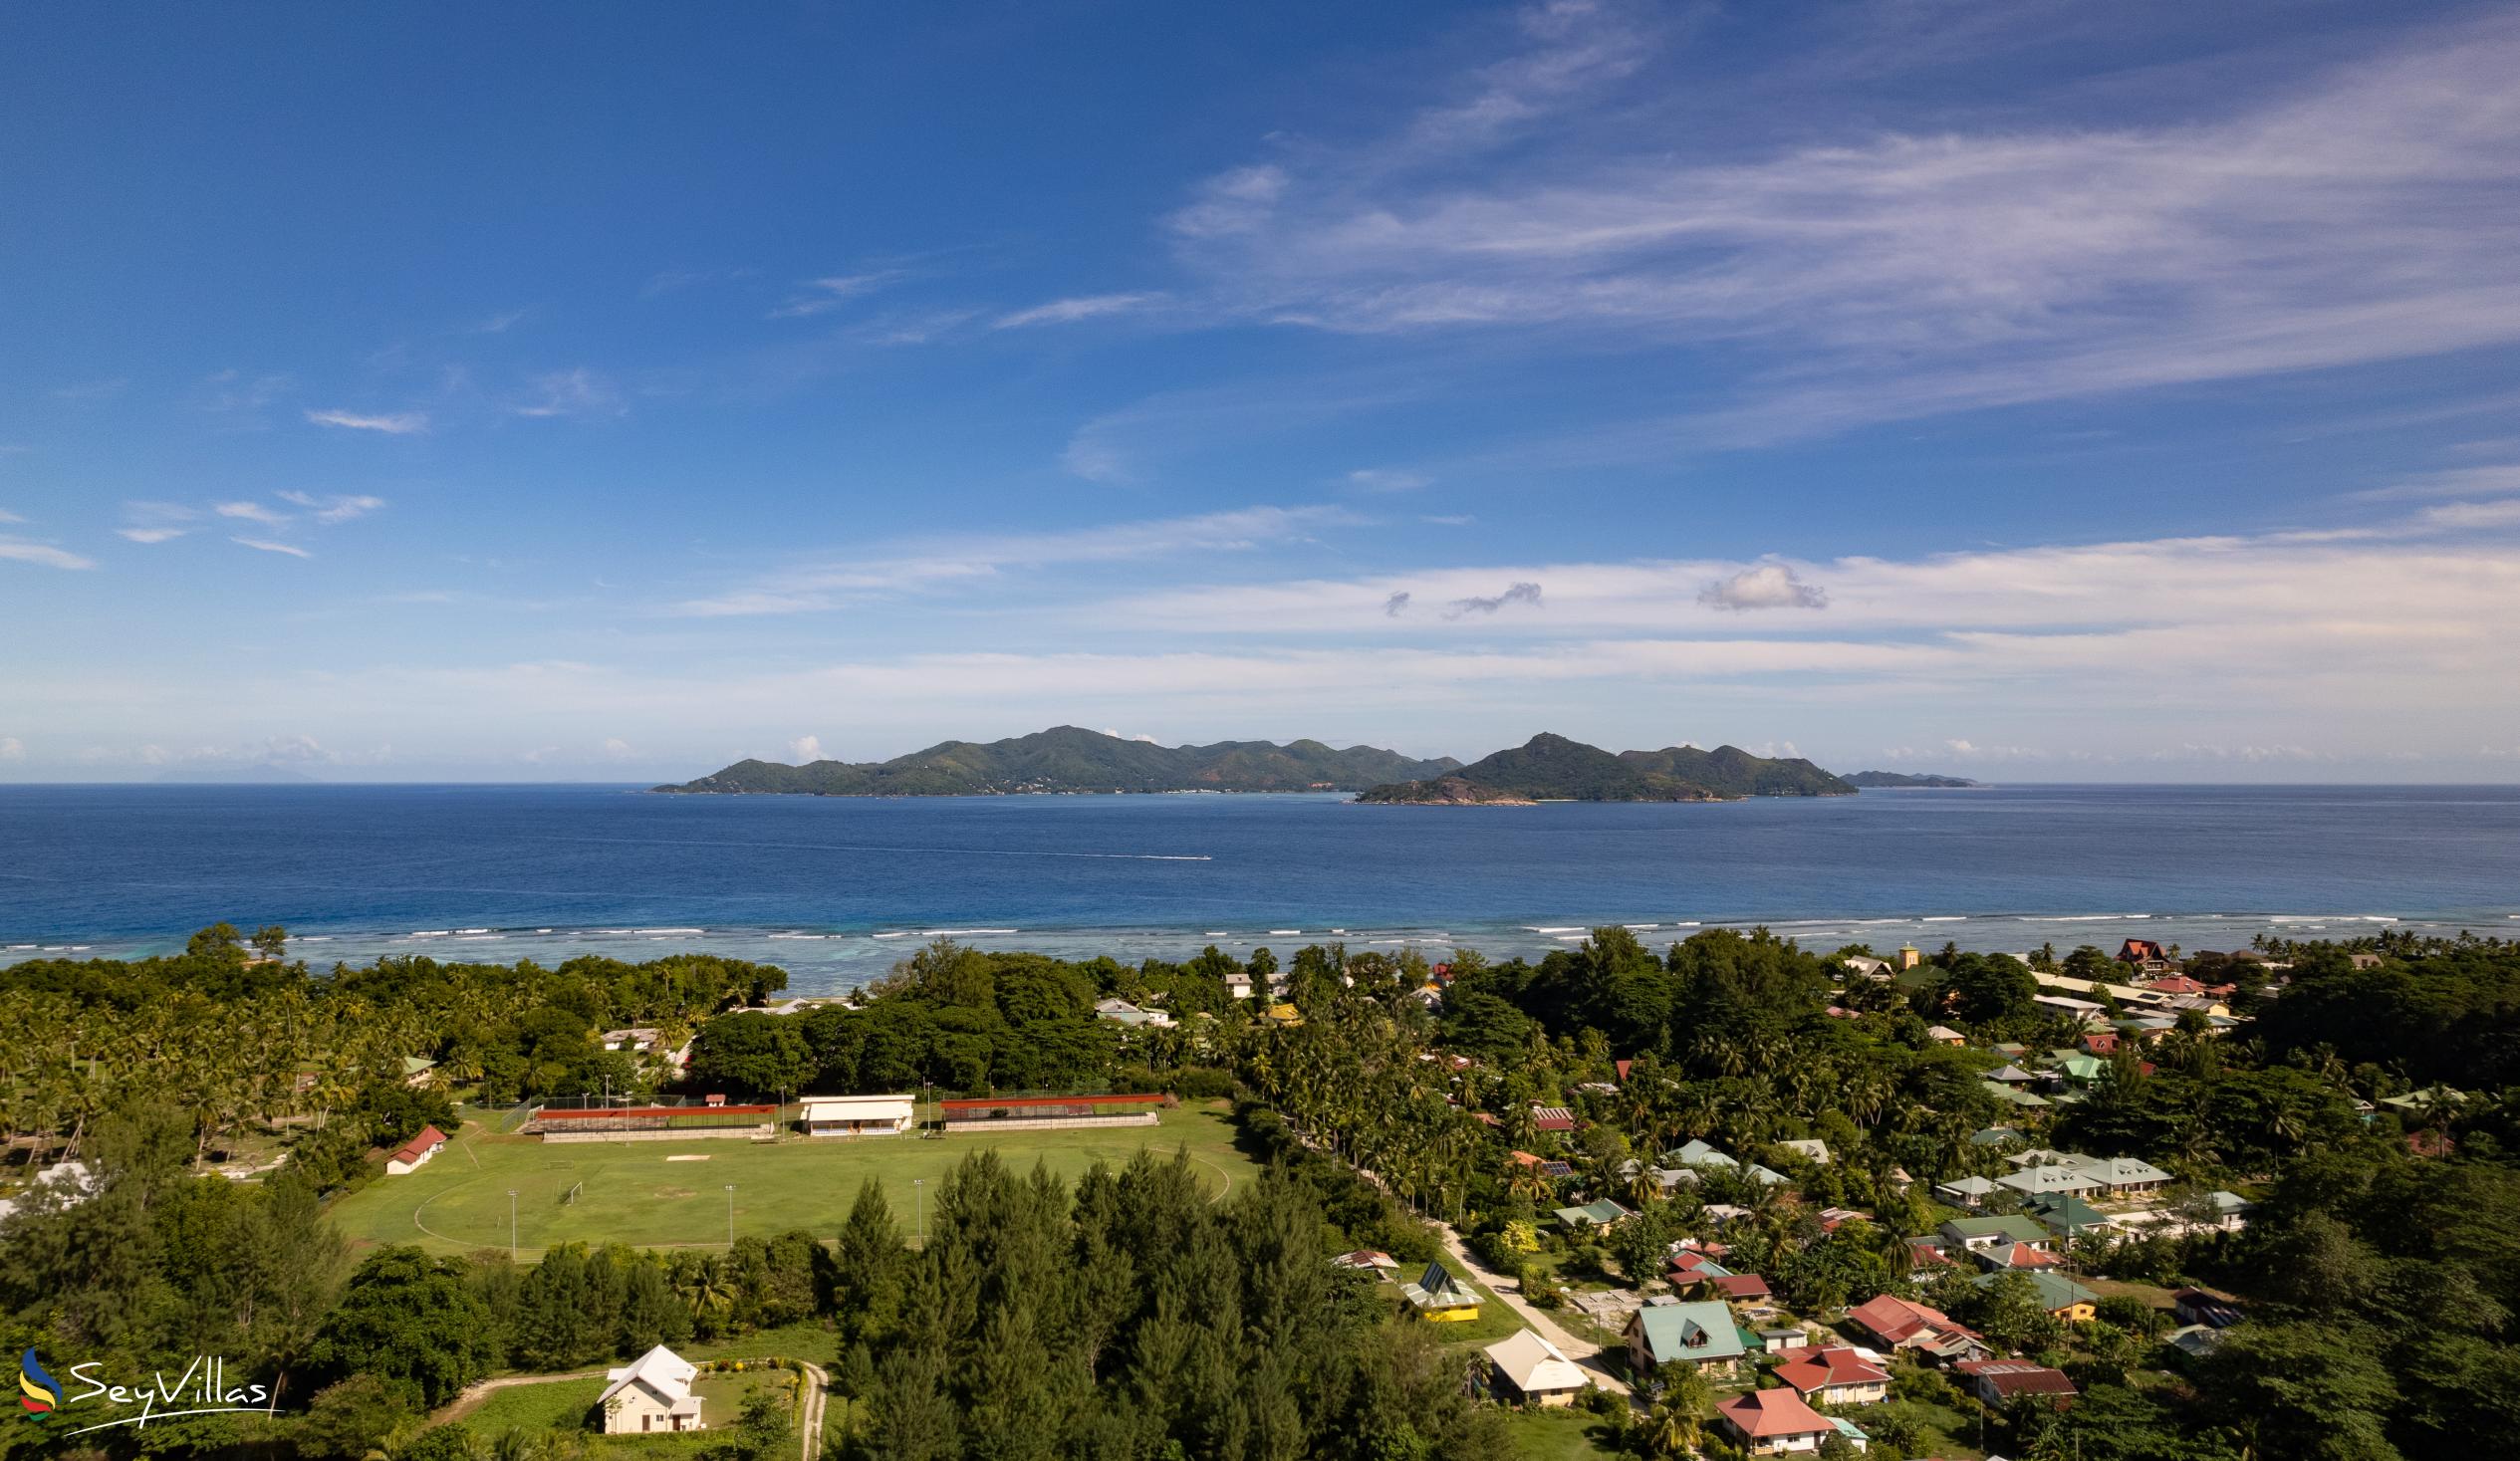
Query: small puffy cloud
{"x": 1769, "y": 585}
{"x": 1387, "y": 479}
{"x": 615, "y": 749}
{"x": 337, "y": 509}
{"x": 19, "y": 549}
{"x": 1397, "y": 605}
{"x": 252, "y": 512}
{"x": 805, "y": 748}
{"x": 266, "y": 545}
{"x": 390, "y": 423}
{"x": 1068, "y": 311}
{"x": 1514, "y": 593}
{"x": 11, "y": 749}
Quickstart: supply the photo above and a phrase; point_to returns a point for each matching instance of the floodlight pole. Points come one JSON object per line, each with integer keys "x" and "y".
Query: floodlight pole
{"x": 919, "y": 1205}
{"x": 511, "y": 1225}
{"x": 730, "y": 1217}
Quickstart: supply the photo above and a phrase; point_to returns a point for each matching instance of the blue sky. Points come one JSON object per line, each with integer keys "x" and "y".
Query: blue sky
{"x": 2039, "y": 391}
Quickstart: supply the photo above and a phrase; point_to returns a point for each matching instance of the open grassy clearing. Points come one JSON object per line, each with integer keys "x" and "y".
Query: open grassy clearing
{"x": 569, "y": 1406}
{"x": 638, "y": 1192}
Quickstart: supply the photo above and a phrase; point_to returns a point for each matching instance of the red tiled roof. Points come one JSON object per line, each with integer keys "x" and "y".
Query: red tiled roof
{"x": 2010, "y": 1377}
{"x": 1773, "y": 1413}
{"x": 2022, "y": 1255}
{"x": 1835, "y": 1365}
{"x": 1741, "y": 1286}
{"x": 1897, "y": 1319}
{"x": 1552, "y": 1118}
{"x": 430, "y": 1139}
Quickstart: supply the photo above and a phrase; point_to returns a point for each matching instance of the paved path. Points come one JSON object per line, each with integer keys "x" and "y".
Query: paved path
{"x": 1583, "y": 1351}
{"x": 817, "y": 1389}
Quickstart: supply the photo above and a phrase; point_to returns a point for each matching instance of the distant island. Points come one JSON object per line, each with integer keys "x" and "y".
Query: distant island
{"x": 1069, "y": 759}
{"x": 1552, "y": 768}
{"x": 1903, "y": 779}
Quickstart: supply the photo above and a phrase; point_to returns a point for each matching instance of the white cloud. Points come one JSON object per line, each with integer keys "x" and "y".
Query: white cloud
{"x": 266, "y": 545}
{"x": 804, "y": 749}
{"x": 2360, "y": 214}
{"x": 573, "y": 392}
{"x": 153, "y": 534}
{"x": 392, "y": 423}
{"x": 11, "y": 749}
{"x": 7, "y": 516}
{"x": 931, "y": 565}
{"x": 615, "y": 749}
{"x": 1768, "y": 585}
{"x": 821, "y": 295}
{"x": 1387, "y": 479}
{"x": 20, "y": 550}
{"x": 252, "y": 512}
{"x": 1070, "y": 311}
{"x": 334, "y": 509}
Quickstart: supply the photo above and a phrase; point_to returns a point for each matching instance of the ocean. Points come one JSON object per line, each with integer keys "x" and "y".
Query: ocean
{"x": 836, "y": 889}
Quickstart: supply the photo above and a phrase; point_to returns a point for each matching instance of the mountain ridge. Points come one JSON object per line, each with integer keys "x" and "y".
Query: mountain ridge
{"x": 1070, "y": 759}
{"x": 1551, "y": 767}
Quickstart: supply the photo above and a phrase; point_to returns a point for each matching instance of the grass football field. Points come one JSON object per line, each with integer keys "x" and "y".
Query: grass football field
{"x": 664, "y": 1194}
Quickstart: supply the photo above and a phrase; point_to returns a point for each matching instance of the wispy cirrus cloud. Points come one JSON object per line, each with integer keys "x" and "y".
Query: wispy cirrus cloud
{"x": 251, "y": 512}
{"x": 336, "y": 508}
{"x": 1083, "y": 306}
{"x": 389, "y": 424}
{"x": 574, "y": 393}
{"x": 269, "y": 545}
{"x": 830, "y": 292}
{"x": 1876, "y": 273}
{"x": 927, "y": 566}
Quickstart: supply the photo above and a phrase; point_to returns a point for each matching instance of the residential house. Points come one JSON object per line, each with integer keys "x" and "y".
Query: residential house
{"x": 2124, "y": 1176}
{"x": 1969, "y": 1192}
{"x": 1529, "y": 1371}
{"x": 1552, "y": 1118}
{"x": 2059, "y": 1295}
{"x": 1865, "y": 966}
{"x": 1594, "y": 1217}
{"x": 1238, "y": 985}
{"x": 1440, "y": 1297}
{"x": 1998, "y": 1137}
{"x": 1698, "y": 1154}
{"x": 2199, "y": 1306}
{"x": 1945, "y": 1034}
{"x": 636, "y": 1041}
{"x": 1768, "y": 1176}
{"x": 1998, "y": 1381}
{"x": 1700, "y": 1334}
{"x": 1369, "y": 1260}
{"x": 2049, "y": 1181}
{"x": 419, "y": 1071}
{"x": 1773, "y": 1423}
{"x": 653, "y": 1393}
{"x": 1904, "y": 1324}
{"x": 2142, "y": 951}
{"x": 1814, "y": 1151}
{"x": 1836, "y": 1375}
{"x": 1122, "y": 1012}
{"x": 416, "y": 1153}
{"x": 1747, "y": 1290}
{"x": 1925, "y": 1258}
{"x": 1987, "y": 1237}
{"x": 2066, "y": 1215}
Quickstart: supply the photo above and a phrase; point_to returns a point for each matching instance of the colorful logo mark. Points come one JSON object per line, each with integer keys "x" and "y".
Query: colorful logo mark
{"x": 43, "y": 1392}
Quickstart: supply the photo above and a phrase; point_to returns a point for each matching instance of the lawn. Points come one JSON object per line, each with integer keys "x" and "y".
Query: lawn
{"x": 1568, "y": 1433}
{"x": 664, "y": 1194}
{"x": 568, "y": 1405}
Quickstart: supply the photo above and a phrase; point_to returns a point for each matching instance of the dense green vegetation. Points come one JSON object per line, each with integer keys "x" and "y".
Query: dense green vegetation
{"x": 1131, "y": 1315}
{"x": 1552, "y": 768}
{"x": 1905, "y": 779}
{"x": 1070, "y": 759}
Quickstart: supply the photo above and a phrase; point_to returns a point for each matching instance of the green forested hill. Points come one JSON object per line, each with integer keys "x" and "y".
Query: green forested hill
{"x": 1071, "y": 759}
{"x": 1554, "y": 768}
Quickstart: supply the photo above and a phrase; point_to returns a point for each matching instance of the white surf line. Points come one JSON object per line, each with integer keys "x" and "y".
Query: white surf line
{"x": 646, "y": 841}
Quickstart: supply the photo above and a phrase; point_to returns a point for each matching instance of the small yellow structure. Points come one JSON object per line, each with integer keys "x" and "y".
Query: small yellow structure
{"x": 1440, "y": 1297}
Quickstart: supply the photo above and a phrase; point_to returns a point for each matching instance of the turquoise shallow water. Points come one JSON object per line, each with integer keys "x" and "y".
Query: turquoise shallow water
{"x": 837, "y": 888}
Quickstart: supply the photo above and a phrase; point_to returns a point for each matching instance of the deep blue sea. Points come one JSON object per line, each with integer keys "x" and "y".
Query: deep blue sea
{"x": 835, "y": 889}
